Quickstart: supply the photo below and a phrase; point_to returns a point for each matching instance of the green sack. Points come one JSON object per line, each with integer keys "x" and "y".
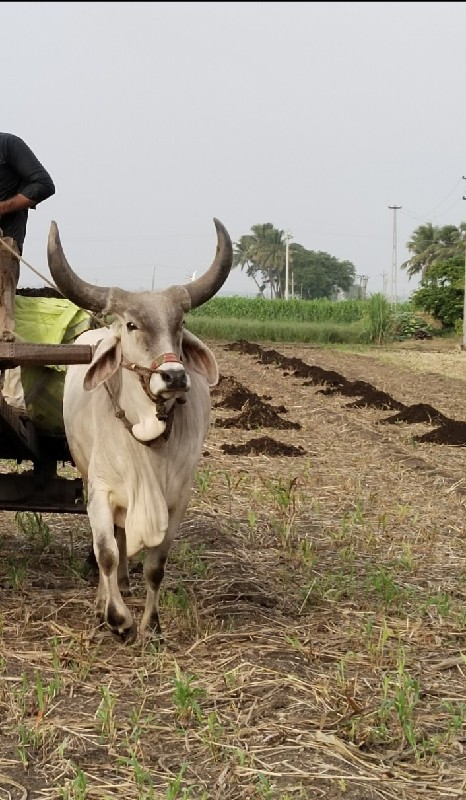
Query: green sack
{"x": 47, "y": 320}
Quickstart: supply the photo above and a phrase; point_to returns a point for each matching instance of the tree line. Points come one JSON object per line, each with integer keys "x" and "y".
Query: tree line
{"x": 437, "y": 254}
{"x": 313, "y": 274}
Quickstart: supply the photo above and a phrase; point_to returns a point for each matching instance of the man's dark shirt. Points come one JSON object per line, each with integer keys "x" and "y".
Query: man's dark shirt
{"x": 20, "y": 173}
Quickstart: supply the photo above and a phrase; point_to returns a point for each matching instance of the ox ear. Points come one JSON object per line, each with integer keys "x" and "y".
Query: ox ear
{"x": 106, "y": 360}
{"x": 200, "y": 358}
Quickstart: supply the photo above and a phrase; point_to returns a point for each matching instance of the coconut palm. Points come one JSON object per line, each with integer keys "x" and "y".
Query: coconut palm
{"x": 262, "y": 254}
{"x": 430, "y": 244}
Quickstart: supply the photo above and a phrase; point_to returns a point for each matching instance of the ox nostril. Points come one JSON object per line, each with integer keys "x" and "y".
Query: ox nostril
{"x": 174, "y": 379}
{"x": 167, "y": 378}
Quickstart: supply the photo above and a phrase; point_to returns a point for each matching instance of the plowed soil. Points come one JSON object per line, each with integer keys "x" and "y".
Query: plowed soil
{"x": 313, "y": 605}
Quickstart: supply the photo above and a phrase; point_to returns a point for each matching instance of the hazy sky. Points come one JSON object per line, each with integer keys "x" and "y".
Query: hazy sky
{"x": 152, "y": 118}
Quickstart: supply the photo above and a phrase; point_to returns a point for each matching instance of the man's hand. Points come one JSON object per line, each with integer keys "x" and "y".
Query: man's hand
{"x": 16, "y": 203}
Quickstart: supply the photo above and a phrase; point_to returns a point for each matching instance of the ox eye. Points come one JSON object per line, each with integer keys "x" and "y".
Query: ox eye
{"x": 130, "y": 326}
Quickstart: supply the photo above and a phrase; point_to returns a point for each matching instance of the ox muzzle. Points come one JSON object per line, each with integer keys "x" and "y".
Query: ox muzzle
{"x": 165, "y": 378}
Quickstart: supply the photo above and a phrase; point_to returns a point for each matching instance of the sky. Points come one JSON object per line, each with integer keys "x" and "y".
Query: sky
{"x": 153, "y": 118}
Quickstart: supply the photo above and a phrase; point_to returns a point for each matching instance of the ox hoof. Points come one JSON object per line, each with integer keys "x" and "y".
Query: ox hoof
{"x": 121, "y": 623}
{"x": 126, "y": 635}
{"x": 125, "y": 588}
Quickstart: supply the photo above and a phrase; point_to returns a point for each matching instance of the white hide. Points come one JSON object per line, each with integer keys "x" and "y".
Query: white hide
{"x": 140, "y": 483}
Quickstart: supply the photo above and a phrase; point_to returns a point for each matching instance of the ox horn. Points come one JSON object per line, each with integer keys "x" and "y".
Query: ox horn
{"x": 84, "y": 295}
{"x": 211, "y": 281}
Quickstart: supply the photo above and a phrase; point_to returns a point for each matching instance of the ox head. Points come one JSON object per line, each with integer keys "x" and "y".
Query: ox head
{"x": 147, "y": 332}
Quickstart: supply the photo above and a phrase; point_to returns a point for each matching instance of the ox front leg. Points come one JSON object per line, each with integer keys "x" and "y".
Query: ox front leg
{"x": 110, "y": 605}
{"x": 122, "y": 572}
{"x": 154, "y": 571}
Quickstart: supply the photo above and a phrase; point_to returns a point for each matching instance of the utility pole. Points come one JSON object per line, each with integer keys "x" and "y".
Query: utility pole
{"x": 384, "y": 283}
{"x": 394, "y": 256}
{"x": 287, "y": 237}
{"x": 463, "y": 345}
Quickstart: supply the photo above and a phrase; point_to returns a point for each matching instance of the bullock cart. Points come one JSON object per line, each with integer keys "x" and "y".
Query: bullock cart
{"x": 39, "y": 488}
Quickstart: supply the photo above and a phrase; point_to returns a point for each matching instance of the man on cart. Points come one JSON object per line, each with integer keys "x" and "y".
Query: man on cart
{"x": 24, "y": 183}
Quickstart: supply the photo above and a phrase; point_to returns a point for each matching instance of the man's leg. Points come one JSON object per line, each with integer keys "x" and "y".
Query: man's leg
{"x": 9, "y": 277}
{"x": 12, "y": 389}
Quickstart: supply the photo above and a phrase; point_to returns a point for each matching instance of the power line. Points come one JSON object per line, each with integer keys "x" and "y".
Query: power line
{"x": 428, "y": 213}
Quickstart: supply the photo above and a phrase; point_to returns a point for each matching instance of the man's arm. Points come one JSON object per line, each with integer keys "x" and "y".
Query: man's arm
{"x": 38, "y": 184}
{"x": 16, "y": 203}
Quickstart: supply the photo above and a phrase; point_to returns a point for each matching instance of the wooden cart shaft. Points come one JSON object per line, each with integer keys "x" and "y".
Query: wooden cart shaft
{"x": 28, "y": 354}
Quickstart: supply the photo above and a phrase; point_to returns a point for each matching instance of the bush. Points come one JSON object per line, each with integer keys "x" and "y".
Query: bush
{"x": 442, "y": 292}
{"x": 378, "y": 318}
{"x": 408, "y": 325}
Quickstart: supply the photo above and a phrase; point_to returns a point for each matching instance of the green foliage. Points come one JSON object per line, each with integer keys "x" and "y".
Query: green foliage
{"x": 438, "y": 254}
{"x": 318, "y": 274}
{"x": 186, "y": 697}
{"x": 306, "y": 321}
{"x": 75, "y": 788}
{"x": 441, "y": 292}
{"x": 406, "y": 323}
{"x": 34, "y": 527}
{"x": 431, "y": 245}
{"x": 231, "y": 330}
{"x": 379, "y": 318}
{"x": 262, "y": 253}
{"x": 258, "y": 308}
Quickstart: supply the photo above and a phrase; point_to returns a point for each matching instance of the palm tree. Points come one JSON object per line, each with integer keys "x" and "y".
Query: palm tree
{"x": 243, "y": 256}
{"x": 431, "y": 244}
{"x": 262, "y": 253}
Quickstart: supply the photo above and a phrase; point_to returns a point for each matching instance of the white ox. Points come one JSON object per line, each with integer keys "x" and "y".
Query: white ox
{"x": 135, "y": 421}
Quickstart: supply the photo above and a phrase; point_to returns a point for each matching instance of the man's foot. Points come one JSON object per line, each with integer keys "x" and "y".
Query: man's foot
{"x": 8, "y": 336}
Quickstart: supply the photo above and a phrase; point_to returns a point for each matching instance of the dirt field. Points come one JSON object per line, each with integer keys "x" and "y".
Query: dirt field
{"x": 313, "y": 606}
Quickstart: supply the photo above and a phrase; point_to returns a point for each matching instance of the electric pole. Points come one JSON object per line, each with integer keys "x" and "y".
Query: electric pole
{"x": 394, "y": 256}
{"x": 384, "y": 283}
{"x": 287, "y": 237}
{"x": 463, "y": 345}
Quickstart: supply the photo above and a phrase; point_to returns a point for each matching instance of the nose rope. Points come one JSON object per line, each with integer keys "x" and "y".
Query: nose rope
{"x": 164, "y": 359}
{"x": 145, "y": 373}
